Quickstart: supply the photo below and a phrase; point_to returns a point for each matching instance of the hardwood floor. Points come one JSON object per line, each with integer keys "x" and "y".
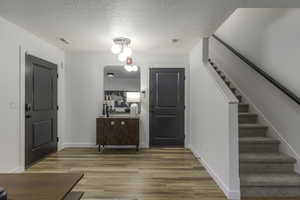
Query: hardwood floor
{"x": 273, "y": 198}
{"x": 152, "y": 174}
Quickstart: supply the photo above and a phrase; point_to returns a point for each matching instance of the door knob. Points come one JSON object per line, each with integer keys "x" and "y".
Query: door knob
{"x": 122, "y": 123}
{"x": 27, "y": 107}
{"x": 112, "y": 123}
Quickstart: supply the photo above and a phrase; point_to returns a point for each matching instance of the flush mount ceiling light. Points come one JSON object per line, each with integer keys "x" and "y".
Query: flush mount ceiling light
{"x": 63, "y": 40}
{"x": 121, "y": 47}
{"x": 175, "y": 40}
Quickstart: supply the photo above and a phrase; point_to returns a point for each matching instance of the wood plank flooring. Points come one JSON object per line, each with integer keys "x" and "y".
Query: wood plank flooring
{"x": 151, "y": 174}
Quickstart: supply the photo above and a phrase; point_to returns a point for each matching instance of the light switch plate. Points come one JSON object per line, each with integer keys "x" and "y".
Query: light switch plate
{"x": 12, "y": 105}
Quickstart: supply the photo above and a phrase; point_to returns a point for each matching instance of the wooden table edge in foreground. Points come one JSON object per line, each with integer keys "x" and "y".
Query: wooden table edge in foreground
{"x": 29, "y": 186}
{"x": 74, "y": 196}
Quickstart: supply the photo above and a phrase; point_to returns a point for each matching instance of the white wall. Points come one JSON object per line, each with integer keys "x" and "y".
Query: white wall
{"x": 85, "y": 92}
{"x": 14, "y": 42}
{"x": 270, "y": 39}
{"x": 213, "y": 124}
{"x": 123, "y": 84}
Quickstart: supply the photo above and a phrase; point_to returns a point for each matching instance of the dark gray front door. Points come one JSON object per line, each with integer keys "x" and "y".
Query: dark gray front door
{"x": 40, "y": 109}
{"x": 166, "y": 106}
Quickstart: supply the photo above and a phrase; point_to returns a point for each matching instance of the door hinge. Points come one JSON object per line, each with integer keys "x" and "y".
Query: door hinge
{"x": 57, "y": 139}
{"x": 57, "y": 75}
{"x": 57, "y": 107}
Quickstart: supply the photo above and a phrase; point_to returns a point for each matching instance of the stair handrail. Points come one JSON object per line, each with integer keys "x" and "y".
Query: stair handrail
{"x": 232, "y": 99}
{"x": 276, "y": 83}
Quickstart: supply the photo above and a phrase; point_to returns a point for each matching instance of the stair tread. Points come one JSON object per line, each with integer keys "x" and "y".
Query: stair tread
{"x": 264, "y": 180}
{"x": 266, "y": 158}
{"x": 252, "y": 126}
{"x": 263, "y": 171}
{"x": 243, "y": 108}
{"x": 262, "y": 140}
{"x": 247, "y": 114}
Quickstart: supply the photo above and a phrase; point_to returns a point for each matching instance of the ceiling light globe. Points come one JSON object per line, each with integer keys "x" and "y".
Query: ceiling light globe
{"x": 128, "y": 68}
{"x": 127, "y": 51}
{"x": 134, "y": 68}
{"x": 122, "y": 57}
{"x": 115, "y": 49}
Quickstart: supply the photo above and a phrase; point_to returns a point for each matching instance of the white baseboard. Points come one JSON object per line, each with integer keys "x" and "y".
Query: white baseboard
{"x": 144, "y": 146}
{"x": 78, "y": 145}
{"x": 284, "y": 147}
{"x": 17, "y": 170}
{"x": 92, "y": 145}
{"x": 230, "y": 194}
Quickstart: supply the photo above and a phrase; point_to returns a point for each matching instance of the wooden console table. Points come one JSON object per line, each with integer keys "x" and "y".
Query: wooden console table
{"x": 118, "y": 130}
{"x": 40, "y": 186}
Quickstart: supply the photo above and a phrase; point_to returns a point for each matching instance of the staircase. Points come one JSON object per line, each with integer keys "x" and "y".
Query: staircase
{"x": 264, "y": 171}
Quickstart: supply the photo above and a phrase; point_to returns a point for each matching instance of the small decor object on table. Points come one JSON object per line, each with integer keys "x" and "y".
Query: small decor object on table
{"x": 104, "y": 110}
{"x": 133, "y": 98}
{"x": 3, "y": 195}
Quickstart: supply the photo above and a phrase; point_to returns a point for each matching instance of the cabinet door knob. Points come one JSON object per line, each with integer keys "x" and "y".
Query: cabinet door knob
{"x": 112, "y": 123}
{"x": 122, "y": 123}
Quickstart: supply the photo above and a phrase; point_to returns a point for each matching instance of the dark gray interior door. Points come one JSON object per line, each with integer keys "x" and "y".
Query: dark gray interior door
{"x": 40, "y": 109}
{"x": 166, "y": 106}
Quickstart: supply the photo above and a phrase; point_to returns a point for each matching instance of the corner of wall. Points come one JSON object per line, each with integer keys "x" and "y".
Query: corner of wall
{"x": 230, "y": 194}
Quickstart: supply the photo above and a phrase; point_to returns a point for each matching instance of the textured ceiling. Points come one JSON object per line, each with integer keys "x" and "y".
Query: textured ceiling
{"x": 90, "y": 25}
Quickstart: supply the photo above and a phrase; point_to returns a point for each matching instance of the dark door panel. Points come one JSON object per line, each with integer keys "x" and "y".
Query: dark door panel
{"x": 42, "y": 88}
{"x": 41, "y": 109}
{"x": 42, "y": 133}
{"x": 167, "y": 82}
{"x": 167, "y": 106}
